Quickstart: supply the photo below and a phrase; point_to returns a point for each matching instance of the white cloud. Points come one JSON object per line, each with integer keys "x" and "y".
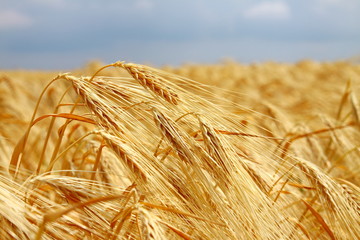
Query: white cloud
{"x": 10, "y": 19}
{"x": 274, "y": 10}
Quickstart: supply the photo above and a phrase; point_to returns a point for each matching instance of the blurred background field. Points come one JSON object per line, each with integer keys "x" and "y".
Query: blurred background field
{"x": 303, "y": 91}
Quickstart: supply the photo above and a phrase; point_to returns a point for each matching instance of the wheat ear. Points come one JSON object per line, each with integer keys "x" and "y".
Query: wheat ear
{"x": 148, "y": 78}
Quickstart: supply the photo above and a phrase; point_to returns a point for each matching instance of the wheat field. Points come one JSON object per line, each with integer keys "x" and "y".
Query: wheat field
{"x": 224, "y": 151}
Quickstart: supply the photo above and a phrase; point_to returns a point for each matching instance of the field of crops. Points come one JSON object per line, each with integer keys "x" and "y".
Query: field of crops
{"x": 226, "y": 151}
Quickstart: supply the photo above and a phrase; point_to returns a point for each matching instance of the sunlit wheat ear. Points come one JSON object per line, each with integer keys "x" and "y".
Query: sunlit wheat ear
{"x": 256, "y": 177}
{"x": 149, "y": 225}
{"x": 124, "y": 152}
{"x": 217, "y": 159}
{"x": 86, "y": 90}
{"x": 149, "y": 79}
{"x": 352, "y": 193}
{"x": 172, "y": 134}
{"x": 213, "y": 144}
{"x": 334, "y": 201}
{"x": 319, "y": 180}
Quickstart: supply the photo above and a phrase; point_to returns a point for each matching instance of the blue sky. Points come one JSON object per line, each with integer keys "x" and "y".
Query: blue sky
{"x": 66, "y": 34}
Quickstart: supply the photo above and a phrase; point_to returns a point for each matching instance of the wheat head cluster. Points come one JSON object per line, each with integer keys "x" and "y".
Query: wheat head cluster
{"x": 126, "y": 151}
